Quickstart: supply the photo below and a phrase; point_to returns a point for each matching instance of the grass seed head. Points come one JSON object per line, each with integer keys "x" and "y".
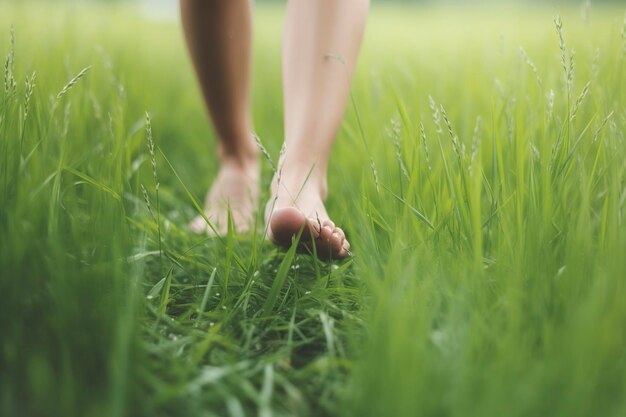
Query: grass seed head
{"x": 599, "y": 129}
{"x": 532, "y": 66}
{"x": 9, "y": 66}
{"x": 264, "y": 151}
{"x": 435, "y": 113}
{"x": 393, "y": 133}
{"x": 475, "y": 143}
{"x": 146, "y": 199}
{"x": 73, "y": 82}
{"x": 567, "y": 64}
{"x": 455, "y": 141}
{"x": 28, "y": 92}
{"x": 425, "y": 143}
{"x": 375, "y": 174}
{"x": 562, "y": 48}
{"x": 151, "y": 150}
{"x": 579, "y": 100}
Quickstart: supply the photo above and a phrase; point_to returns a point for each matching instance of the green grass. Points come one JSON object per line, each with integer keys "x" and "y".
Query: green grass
{"x": 511, "y": 304}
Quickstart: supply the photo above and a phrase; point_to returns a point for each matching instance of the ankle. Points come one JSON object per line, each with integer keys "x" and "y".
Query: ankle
{"x": 245, "y": 155}
{"x": 240, "y": 160}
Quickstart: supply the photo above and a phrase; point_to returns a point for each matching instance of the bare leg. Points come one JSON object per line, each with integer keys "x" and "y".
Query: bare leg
{"x": 218, "y": 34}
{"x": 320, "y": 47}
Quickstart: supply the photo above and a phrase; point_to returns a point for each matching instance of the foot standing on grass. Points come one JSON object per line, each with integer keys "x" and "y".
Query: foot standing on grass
{"x": 320, "y": 47}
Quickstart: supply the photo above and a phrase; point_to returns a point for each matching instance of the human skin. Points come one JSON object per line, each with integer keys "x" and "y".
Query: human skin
{"x": 320, "y": 47}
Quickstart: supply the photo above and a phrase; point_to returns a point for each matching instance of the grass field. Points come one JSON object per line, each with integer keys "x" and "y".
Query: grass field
{"x": 482, "y": 186}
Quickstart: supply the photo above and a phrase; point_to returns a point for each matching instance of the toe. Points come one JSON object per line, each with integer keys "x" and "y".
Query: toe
{"x": 344, "y": 252}
{"x": 315, "y": 226}
{"x": 329, "y": 223}
{"x": 340, "y": 231}
{"x": 326, "y": 233}
{"x": 336, "y": 241}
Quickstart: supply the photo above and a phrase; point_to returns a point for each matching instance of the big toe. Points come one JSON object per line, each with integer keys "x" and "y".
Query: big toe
{"x": 285, "y": 224}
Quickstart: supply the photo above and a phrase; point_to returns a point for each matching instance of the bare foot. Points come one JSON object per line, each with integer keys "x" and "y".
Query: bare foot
{"x": 294, "y": 207}
{"x": 236, "y": 188}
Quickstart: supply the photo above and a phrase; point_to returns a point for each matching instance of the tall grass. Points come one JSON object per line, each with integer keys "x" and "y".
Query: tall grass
{"x": 479, "y": 174}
